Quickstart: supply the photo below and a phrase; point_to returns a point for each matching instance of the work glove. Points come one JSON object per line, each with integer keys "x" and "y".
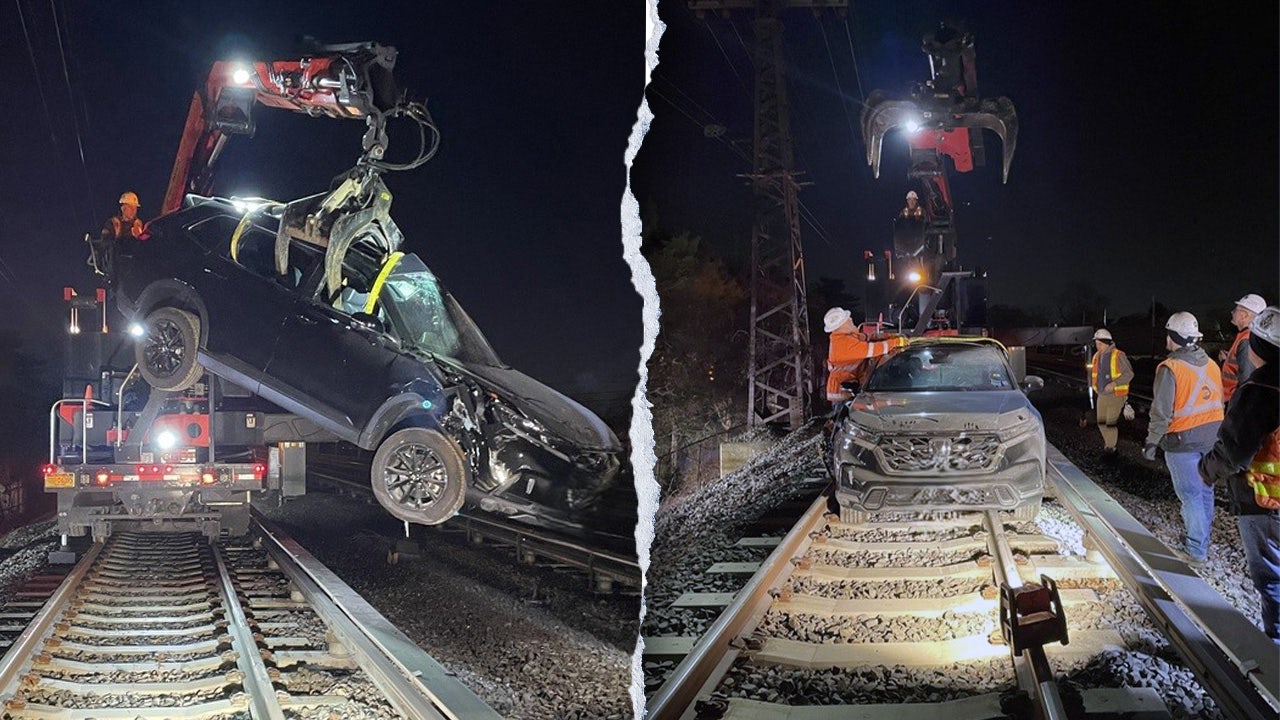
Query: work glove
{"x": 1149, "y": 451}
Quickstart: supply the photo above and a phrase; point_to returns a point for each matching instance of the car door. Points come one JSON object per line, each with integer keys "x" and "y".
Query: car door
{"x": 246, "y": 300}
{"x": 339, "y": 368}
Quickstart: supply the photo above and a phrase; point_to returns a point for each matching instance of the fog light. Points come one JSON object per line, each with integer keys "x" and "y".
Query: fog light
{"x": 136, "y": 330}
{"x": 166, "y": 440}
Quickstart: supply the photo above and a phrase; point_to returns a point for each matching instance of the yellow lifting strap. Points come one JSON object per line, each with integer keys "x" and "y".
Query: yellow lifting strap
{"x": 376, "y": 290}
{"x": 235, "y": 237}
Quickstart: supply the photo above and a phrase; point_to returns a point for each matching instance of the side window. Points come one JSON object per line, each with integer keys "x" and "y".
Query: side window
{"x": 255, "y": 251}
{"x": 213, "y": 233}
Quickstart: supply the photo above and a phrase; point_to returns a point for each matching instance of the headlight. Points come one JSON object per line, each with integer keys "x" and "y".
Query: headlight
{"x": 853, "y": 432}
{"x": 1016, "y": 425}
{"x": 525, "y": 427}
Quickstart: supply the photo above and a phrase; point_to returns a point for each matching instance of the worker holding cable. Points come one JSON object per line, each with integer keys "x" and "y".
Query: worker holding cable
{"x": 1109, "y": 374}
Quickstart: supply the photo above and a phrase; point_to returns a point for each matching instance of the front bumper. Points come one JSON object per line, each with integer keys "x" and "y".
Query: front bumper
{"x": 1016, "y": 479}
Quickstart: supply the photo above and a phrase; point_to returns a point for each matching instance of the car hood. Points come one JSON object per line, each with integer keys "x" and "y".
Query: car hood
{"x": 931, "y": 411}
{"x": 559, "y": 414}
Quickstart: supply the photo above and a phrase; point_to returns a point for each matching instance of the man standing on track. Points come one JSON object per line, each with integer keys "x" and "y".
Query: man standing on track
{"x": 1186, "y": 411}
{"x": 1110, "y": 374}
{"x": 1236, "y": 365}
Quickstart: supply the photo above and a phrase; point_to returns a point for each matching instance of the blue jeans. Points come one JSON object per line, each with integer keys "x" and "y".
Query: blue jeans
{"x": 1260, "y": 538}
{"x": 1197, "y": 500}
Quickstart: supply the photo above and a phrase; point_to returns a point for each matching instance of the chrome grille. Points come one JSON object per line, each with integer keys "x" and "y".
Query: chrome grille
{"x": 931, "y": 453}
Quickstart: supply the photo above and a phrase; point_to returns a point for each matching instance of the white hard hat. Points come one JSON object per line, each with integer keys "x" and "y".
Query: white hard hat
{"x": 130, "y": 198}
{"x": 1267, "y": 325}
{"x": 1103, "y": 334}
{"x": 1253, "y": 303}
{"x": 1185, "y": 324}
{"x": 911, "y": 195}
{"x": 834, "y": 318}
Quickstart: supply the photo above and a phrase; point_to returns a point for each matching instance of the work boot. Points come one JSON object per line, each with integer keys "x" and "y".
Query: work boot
{"x": 1186, "y": 557}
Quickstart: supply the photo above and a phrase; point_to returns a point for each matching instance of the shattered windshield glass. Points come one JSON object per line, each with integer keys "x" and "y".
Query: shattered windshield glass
{"x": 942, "y": 368}
{"x": 427, "y": 317}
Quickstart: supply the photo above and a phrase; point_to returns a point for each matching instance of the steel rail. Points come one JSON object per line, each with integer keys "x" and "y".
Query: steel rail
{"x": 700, "y": 671}
{"x": 592, "y": 560}
{"x": 1045, "y": 370}
{"x": 1232, "y": 658}
{"x": 1033, "y": 675}
{"x": 415, "y": 682}
{"x": 257, "y": 682}
{"x": 597, "y": 562}
{"x": 42, "y": 625}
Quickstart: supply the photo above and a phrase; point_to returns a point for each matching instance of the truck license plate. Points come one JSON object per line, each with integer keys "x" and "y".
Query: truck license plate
{"x": 59, "y": 480}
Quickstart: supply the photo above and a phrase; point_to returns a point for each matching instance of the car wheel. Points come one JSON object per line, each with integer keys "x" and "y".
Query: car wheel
{"x": 419, "y": 475}
{"x": 166, "y": 357}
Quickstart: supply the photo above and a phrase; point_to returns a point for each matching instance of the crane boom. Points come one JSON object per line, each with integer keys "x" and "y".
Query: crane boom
{"x": 352, "y": 81}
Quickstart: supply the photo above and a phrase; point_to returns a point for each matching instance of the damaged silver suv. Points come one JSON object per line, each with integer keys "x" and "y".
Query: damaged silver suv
{"x": 942, "y": 425}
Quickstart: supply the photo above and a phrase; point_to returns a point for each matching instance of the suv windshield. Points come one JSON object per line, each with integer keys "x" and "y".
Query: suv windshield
{"x": 942, "y": 367}
{"x": 427, "y": 318}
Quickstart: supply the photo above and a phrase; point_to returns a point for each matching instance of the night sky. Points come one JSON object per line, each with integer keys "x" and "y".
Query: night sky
{"x": 1146, "y": 162}
{"x": 518, "y": 214}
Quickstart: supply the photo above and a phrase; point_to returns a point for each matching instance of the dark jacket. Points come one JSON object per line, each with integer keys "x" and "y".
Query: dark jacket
{"x": 1252, "y": 414}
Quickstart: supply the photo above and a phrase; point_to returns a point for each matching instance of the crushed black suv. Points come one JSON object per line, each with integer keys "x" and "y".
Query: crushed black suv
{"x": 942, "y": 425}
{"x": 365, "y": 343}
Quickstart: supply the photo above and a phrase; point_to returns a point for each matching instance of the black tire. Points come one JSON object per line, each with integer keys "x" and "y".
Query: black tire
{"x": 166, "y": 357}
{"x": 419, "y": 475}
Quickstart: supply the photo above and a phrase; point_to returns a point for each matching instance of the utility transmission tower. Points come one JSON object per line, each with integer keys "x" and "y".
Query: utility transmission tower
{"x": 779, "y": 371}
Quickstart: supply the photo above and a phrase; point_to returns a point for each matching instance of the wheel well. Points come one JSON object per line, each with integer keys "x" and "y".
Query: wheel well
{"x": 176, "y": 295}
{"x": 421, "y": 420}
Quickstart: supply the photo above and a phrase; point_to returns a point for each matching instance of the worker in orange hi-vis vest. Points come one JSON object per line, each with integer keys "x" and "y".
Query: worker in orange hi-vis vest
{"x": 1235, "y": 362}
{"x": 1247, "y": 457}
{"x": 1186, "y": 411}
{"x": 849, "y": 351}
{"x": 124, "y": 227}
{"x": 1110, "y": 374}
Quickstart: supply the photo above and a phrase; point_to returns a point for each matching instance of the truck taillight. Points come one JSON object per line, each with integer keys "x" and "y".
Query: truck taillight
{"x": 102, "y": 478}
{"x": 48, "y": 469}
{"x": 259, "y": 471}
{"x": 208, "y": 477}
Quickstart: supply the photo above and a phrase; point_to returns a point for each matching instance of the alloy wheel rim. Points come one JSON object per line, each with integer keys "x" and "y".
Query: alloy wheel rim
{"x": 164, "y": 350}
{"x": 416, "y": 476}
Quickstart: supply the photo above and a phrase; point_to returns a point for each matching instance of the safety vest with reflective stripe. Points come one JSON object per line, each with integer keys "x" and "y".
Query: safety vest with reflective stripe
{"x": 1114, "y": 372}
{"x": 1197, "y": 394}
{"x": 1231, "y": 366}
{"x": 846, "y": 356}
{"x": 1263, "y": 474}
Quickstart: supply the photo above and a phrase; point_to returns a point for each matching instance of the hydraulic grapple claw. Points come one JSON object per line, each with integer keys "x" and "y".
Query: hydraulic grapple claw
{"x": 883, "y": 114}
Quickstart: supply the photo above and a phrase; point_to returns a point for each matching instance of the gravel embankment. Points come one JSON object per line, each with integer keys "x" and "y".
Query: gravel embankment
{"x": 527, "y": 640}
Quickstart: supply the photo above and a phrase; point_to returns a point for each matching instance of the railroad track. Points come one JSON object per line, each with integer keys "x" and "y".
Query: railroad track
{"x": 1075, "y": 375}
{"x": 605, "y": 569}
{"x": 167, "y": 625}
{"x": 903, "y": 619}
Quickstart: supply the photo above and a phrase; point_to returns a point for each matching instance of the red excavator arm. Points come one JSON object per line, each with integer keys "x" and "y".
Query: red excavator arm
{"x": 351, "y": 81}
